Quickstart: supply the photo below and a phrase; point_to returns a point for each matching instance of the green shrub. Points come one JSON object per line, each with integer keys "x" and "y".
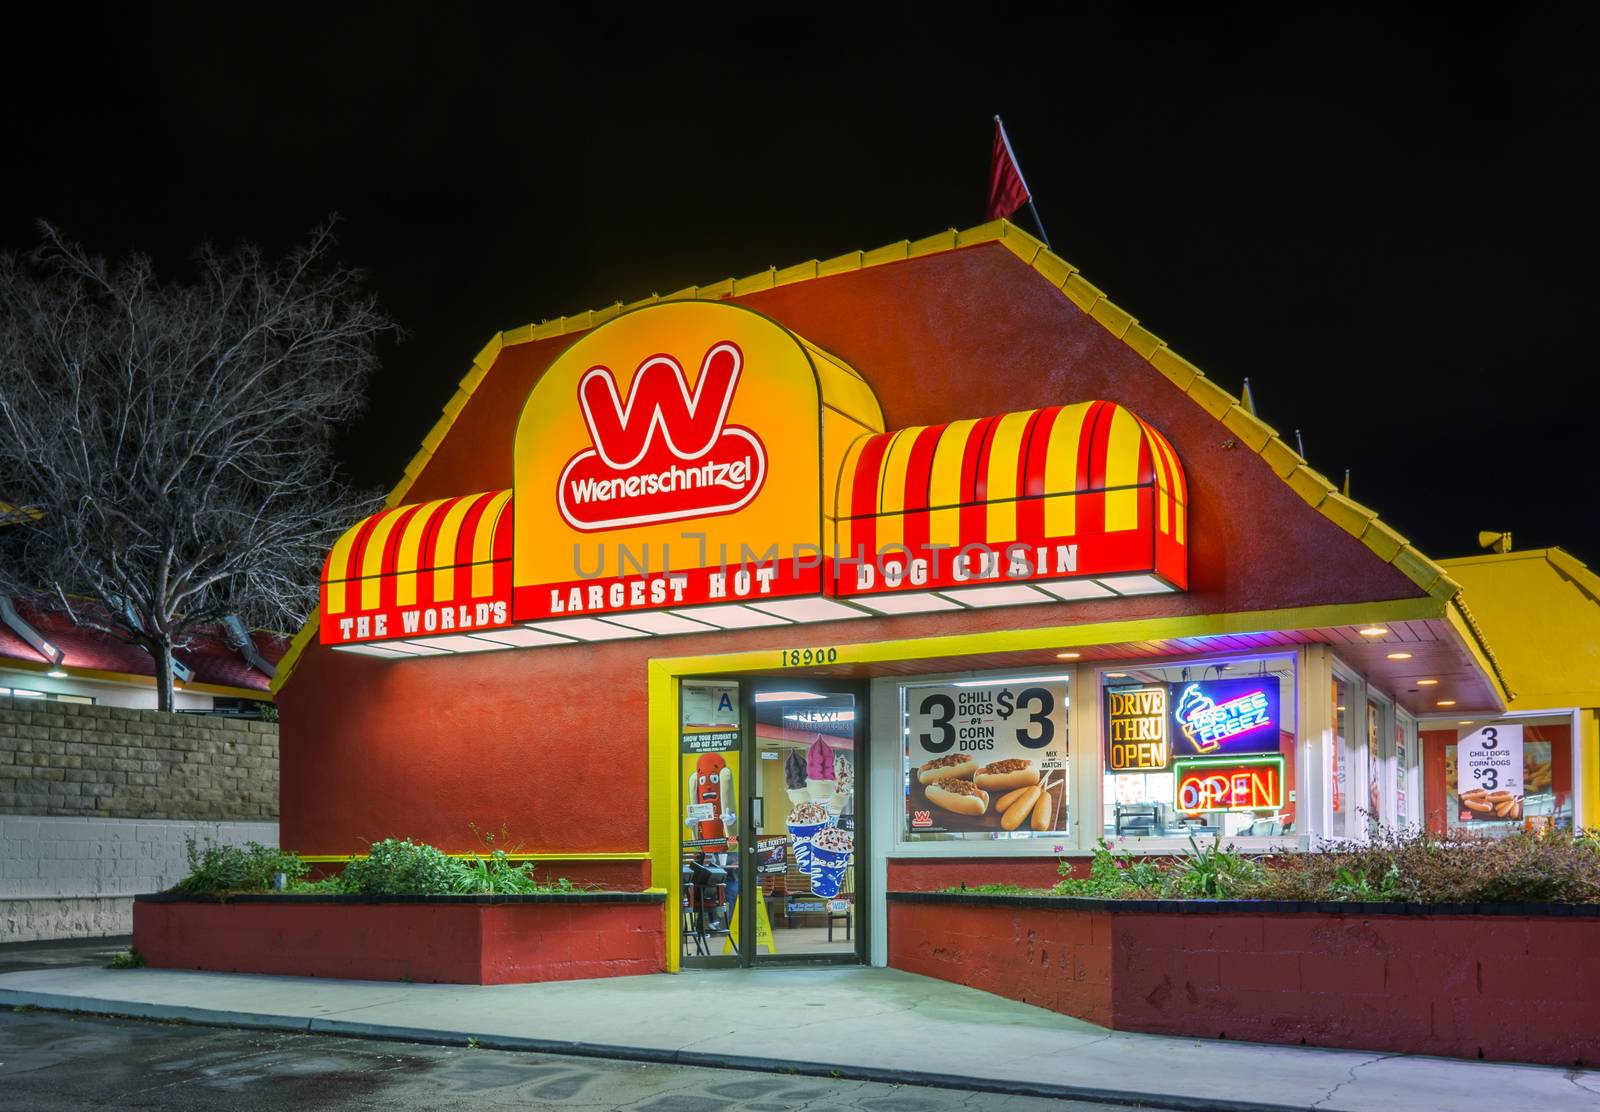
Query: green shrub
{"x": 1113, "y": 876}
{"x": 1214, "y": 873}
{"x": 401, "y": 867}
{"x": 128, "y": 959}
{"x": 252, "y": 867}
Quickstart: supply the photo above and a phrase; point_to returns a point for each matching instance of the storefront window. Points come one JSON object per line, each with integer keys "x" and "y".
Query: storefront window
{"x": 1206, "y": 750}
{"x": 986, "y": 759}
{"x": 1372, "y": 801}
{"x": 1405, "y": 768}
{"x": 1497, "y": 776}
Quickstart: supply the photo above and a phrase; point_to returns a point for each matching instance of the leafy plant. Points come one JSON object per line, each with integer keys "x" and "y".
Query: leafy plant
{"x": 1214, "y": 873}
{"x": 1112, "y": 876}
{"x": 494, "y": 873}
{"x": 216, "y": 867}
{"x": 401, "y": 867}
{"x": 129, "y": 959}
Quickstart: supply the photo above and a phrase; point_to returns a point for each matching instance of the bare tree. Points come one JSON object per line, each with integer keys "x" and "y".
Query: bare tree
{"x": 166, "y": 447}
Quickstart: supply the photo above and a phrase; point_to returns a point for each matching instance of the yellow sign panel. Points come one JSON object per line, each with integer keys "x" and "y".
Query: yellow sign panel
{"x": 763, "y": 927}
{"x": 674, "y": 457}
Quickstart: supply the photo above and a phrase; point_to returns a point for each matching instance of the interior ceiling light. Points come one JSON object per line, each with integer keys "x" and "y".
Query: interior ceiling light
{"x": 1447, "y": 702}
{"x": 56, "y": 674}
{"x": 1427, "y": 683}
{"x": 1068, "y": 655}
{"x": 730, "y": 616}
{"x": 917, "y": 602}
{"x": 1373, "y": 631}
{"x": 1116, "y": 675}
{"x": 995, "y": 681}
{"x": 786, "y": 696}
{"x": 1399, "y": 656}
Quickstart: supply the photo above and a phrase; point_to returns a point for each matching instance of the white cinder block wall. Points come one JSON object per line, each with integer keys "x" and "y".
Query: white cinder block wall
{"x": 67, "y": 877}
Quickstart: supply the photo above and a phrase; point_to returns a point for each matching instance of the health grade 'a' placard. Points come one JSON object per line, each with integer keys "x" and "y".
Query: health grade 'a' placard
{"x": 987, "y": 759}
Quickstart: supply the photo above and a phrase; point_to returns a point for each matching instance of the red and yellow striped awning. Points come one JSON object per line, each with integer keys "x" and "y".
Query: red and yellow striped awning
{"x": 1091, "y": 489}
{"x": 421, "y": 569}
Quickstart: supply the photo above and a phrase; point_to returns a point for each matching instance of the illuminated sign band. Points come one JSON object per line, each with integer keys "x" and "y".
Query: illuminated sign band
{"x": 695, "y": 454}
{"x": 1229, "y": 785}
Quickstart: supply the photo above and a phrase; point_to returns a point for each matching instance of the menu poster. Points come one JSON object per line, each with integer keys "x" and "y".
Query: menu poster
{"x": 1489, "y": 772}
{"x": 772, "y": 855}
{"x": 987, "y": 758}
{"x": 709, "y": 720}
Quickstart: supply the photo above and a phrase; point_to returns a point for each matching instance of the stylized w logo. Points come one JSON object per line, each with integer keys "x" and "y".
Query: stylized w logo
{"x": 659, "y": 400}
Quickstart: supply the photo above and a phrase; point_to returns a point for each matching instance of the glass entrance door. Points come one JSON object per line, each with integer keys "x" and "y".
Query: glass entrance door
{"x": 805, "y": 827}
{"x": 771, "y": 835}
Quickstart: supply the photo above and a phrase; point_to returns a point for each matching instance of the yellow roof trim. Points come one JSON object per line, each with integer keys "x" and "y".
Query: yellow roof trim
{"x": 1315, "y": 488}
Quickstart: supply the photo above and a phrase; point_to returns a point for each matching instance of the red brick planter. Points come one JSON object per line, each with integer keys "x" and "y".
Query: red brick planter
{"x": 475, "y": 940}
{"x": 1507, "y": 982}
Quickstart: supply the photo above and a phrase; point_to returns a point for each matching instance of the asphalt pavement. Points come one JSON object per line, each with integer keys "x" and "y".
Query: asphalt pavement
{"x": 51, "y": 1062}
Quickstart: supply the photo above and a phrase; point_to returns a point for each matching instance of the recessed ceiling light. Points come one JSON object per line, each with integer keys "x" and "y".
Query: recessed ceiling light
{"x": 1068, "y": 656}
{"x": 56, "y": 674}
{"x": 1372, "y": 631}
{"x": 1464, "y": 722}
{"x": 1399, "y": 656}
{"x": 1427, "y": 683}
{"x": 1116, "y": 675}
{"x": 1446, "y": 702}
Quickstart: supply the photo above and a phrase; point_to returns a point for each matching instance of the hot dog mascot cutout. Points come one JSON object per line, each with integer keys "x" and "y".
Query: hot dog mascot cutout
{"x": 711, "y": 800}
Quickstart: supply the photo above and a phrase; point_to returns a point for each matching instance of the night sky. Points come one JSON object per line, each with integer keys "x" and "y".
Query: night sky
{"x": 1384, "y": 225}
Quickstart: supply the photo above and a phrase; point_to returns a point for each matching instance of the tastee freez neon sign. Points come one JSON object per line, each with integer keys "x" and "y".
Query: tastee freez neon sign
{"x": 1208, "y": 725}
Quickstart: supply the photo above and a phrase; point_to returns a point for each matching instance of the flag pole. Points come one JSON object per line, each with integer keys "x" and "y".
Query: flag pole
{"x": 1034, "y": 209}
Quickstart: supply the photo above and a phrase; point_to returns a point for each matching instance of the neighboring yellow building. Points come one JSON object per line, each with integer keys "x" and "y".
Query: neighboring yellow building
{"x": 1539, "y": 611}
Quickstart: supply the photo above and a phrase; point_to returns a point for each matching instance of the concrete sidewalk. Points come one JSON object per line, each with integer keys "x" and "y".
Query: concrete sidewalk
{"x": 867, "y": 1024}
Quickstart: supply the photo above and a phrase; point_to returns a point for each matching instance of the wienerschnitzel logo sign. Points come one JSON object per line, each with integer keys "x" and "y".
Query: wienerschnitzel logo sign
{"x": 673, "y": 457}
{"x": 667, "y": 453}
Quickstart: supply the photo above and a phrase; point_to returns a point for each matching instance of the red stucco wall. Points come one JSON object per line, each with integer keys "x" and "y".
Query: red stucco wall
{"x": 1511, "y": 988}
{"x": 551, "y": 742}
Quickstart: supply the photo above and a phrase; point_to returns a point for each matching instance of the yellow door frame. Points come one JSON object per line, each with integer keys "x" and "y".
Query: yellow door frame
{"x": 667, "y": 673}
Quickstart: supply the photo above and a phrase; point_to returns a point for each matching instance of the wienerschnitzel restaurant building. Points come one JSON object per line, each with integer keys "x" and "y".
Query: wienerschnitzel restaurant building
{"x": 916, "y": 567}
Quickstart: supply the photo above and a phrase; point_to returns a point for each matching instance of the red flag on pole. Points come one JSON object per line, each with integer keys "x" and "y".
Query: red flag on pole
{"x": 1007, "y": 191}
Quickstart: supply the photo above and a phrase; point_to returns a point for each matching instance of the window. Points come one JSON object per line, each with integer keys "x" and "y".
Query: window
{"x": 1508, "y": 793}
{"x": 986, "y": 759}
{"x": 1203, "y": 749}
{"x": 47, "y": 696}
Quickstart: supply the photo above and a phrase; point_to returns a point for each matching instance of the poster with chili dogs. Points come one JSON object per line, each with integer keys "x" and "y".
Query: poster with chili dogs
{"x": 987, "y": 758}
{"x": 1489, "y": 773}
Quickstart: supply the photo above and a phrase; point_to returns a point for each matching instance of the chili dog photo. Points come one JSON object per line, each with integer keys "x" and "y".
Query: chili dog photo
{"x": 1000, "y": 775}
{"x": 957, "y": 796}
{"x": 986, "y": 759}
{"x": 957, "y": 765}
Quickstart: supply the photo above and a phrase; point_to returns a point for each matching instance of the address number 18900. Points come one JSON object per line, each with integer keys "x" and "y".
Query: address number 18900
{"x": 796, "y": 658}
